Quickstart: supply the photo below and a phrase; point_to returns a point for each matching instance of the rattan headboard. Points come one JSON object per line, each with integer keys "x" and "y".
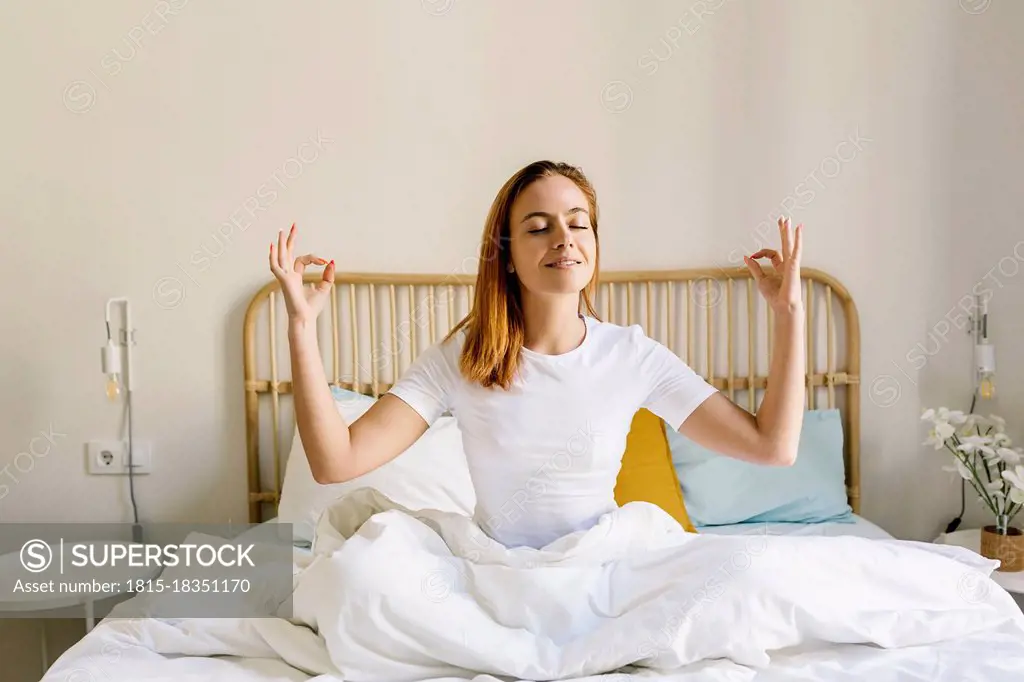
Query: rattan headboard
{"x": 714, "y": 319}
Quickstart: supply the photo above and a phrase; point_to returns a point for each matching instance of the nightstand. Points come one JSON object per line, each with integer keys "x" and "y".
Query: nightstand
{"x": 15, "y": 574}
{"x": 971, "y": 539}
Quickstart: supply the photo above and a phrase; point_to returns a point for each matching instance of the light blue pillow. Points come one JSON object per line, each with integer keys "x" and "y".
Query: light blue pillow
{"x": 721, "y": 490}
{"x": 347, "y": 397}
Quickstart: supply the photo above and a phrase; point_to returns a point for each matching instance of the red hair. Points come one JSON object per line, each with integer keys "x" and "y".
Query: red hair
{"x": 495, "y": 326}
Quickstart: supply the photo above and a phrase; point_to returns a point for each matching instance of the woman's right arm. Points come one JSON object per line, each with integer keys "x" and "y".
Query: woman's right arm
{"x": 336, "y": 451}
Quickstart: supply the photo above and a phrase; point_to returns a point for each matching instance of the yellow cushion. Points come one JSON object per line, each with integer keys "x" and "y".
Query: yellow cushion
{"x": 647, "y": 474}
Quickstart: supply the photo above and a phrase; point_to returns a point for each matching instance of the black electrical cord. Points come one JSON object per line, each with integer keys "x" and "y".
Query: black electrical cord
{"x": 136, "y": 528}
{"x": 955, "y": 523}
{"x": 131, "y": 463}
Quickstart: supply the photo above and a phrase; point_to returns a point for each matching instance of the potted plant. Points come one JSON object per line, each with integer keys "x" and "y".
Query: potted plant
{"x": 983, "y": 457}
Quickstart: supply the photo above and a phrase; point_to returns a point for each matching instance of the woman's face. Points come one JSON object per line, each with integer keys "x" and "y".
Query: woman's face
{"x": 552, "y": 244}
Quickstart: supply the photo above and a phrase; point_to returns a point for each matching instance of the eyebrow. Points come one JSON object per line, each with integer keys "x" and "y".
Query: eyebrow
{"x": 541, "y": 214}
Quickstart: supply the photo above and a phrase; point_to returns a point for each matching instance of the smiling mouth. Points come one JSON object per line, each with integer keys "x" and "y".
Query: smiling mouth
{"x": 564, "y": 264}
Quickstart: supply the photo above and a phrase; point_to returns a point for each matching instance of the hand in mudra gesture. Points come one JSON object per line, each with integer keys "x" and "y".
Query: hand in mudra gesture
{"x": 302, "y": 303}
{"x": 781, "y": 288}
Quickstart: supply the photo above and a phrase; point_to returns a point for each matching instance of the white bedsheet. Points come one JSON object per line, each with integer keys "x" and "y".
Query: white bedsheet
{"x": 437, "y": 617}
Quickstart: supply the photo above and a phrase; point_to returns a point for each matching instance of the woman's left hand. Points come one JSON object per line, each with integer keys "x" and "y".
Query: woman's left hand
{"x": 781, "y": 288}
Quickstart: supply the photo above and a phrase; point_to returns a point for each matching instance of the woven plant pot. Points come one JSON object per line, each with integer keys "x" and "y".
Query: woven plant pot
{"x": 1008, "y": 549}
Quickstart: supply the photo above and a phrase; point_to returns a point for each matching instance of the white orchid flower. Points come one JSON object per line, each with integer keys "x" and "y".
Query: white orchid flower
{"x": 934, "y": 440}
{"x": 1016, "y": 479}
{"x": 944, "y": 431}
{"x": 928, "y": 415}
{"x": 980, "y": 444}
{"x": 956, "y": 417}
{"x": 995, "y": 488}
{"x": 1000, "y": 439}
{"x": 998, "y": 422}
{"x": 991, "y": 455}
{"x": 1016, "y": 476}
{"x": 1011, "y": 457}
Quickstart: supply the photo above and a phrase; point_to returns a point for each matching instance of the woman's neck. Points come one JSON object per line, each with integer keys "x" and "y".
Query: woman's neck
{"x": 553, "y": 324}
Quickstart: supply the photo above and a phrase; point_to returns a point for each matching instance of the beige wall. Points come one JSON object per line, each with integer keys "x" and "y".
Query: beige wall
{"x": 983, "y": 208}
{"x": 125, "y": 162}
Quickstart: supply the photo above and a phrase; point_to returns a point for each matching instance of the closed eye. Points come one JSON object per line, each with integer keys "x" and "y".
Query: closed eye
{"x": 545, "y": 229}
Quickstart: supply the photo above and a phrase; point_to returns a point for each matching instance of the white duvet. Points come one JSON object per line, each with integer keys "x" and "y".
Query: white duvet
{"x": 389, "y": 594}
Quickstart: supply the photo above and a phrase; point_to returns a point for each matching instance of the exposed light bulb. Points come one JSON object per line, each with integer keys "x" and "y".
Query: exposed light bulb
{"x": 111, "y": 356}
{"x": 987, "y": 387}
{"x": 113, "y": 386}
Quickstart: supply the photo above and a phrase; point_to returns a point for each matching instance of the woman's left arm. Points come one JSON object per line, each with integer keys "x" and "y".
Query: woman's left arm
{"x": 773, "y": 434}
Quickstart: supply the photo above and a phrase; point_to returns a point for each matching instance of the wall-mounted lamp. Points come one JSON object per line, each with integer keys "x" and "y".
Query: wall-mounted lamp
{"x": 111, "y": 362}
{"x": 984, "y": 352}
{"x": 984, "y": 379}
{"x": 111, "y": 352}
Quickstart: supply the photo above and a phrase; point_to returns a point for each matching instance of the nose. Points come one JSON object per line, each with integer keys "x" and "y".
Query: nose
{"x": 562, "y": 235}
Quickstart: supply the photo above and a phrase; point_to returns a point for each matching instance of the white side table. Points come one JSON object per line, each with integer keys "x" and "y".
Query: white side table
{"x": 117, "y": 578}
{"x": 971, "y": 539}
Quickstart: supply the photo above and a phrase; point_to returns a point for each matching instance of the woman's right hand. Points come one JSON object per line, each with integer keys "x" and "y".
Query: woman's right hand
{"x": 303, "y": 303}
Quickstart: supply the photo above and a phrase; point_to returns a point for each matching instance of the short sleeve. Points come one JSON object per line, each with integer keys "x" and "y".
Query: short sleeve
{"x": 673, "y": 389}
{"x": 427, "y": 385}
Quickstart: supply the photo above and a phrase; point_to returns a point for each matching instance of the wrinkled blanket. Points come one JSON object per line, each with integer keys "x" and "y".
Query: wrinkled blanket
{"x": 392, "y": 594}
{"x": 399, "y": 595}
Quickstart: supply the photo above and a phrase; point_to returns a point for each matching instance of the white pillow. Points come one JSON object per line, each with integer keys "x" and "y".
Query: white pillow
{"x": 431, "y": 474}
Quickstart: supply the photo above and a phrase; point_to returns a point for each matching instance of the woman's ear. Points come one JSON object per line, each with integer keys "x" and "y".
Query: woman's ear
{"x": 511, "y": 268}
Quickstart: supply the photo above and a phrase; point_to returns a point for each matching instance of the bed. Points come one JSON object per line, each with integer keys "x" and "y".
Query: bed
{"x": 375, "y": 326}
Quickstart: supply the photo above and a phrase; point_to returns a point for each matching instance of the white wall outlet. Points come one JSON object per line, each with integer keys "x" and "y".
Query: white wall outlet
{"x": 111, "y": 457}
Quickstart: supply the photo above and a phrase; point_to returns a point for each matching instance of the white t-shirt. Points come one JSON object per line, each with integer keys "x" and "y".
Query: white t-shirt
{"x": 545, "y": 455}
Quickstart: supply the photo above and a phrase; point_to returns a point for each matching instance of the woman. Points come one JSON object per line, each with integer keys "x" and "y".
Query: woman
{"x": 527, "y": 376}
